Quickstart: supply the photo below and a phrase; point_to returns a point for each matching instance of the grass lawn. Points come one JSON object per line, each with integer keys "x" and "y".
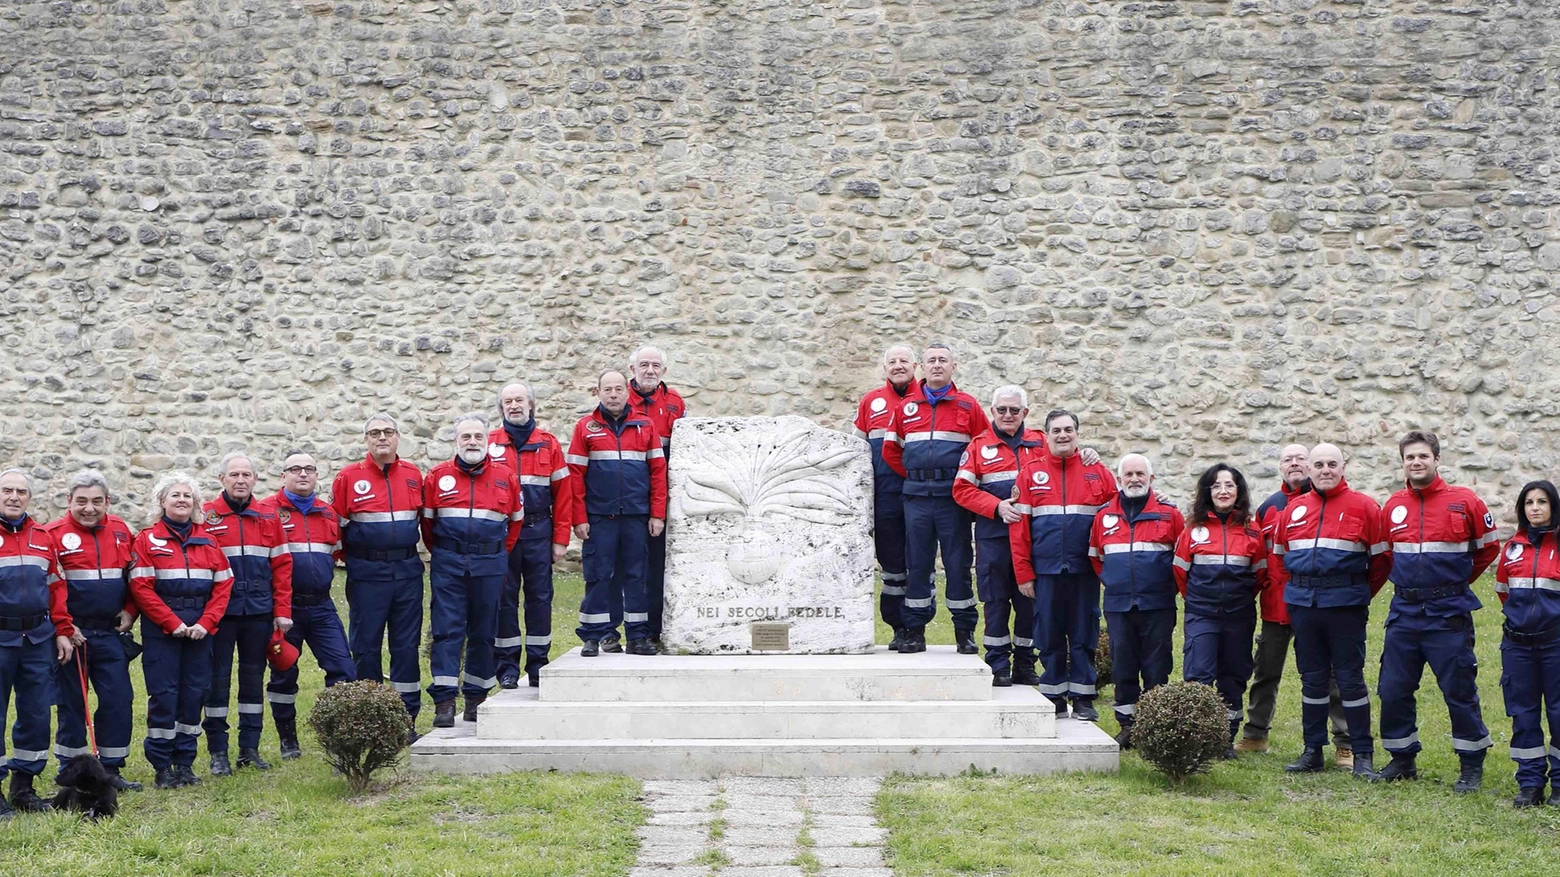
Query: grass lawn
{"x": 298, "y": 819}
{"x": 1248, "y": 817}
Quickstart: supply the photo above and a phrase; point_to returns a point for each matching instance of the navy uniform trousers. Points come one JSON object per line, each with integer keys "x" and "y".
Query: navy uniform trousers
{"x": 933, "y": 523}
{"x": 1216, "y": 650}
{"x": 888, "y": 541}
{"x": 178, "y": 673}
{"x": 1000, "y": 599}
{"x": 108, "y": 673}
{"x": 1139, "y": 656}
{"x": 249, "y": 635}
{"x": 531, "y": 574}
{"x": 1530, "y": 679}
{"x": 615, "y": 561}
{"x": 393, "y": 604}
{"x": 1446, "y": 644}
{"x": 1330, "y": 643}
{"x": 318, "y": 625}
{"x": 464, "y": 612}
{"x": 1067, "y": 630}
{"x": 28, "y": 670}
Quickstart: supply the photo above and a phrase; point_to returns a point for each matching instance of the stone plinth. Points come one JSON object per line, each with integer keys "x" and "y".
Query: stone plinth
{"x": 769, "y": 521}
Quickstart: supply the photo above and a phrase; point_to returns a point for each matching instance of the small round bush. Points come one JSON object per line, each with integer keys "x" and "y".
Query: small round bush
{"x": 361, "y": 727}
{"x": 1180, "y": 728}
{"x": 1102, "y": 665}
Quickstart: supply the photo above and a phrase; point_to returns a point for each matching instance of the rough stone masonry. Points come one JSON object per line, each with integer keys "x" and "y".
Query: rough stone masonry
{"x": 1210, "y": 227}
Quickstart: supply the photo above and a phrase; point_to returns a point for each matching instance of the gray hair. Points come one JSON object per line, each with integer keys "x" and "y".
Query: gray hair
{"x": 381, "y": 416}
{"x": 1010, "y": 390}
{"x": 230, "y": 457}
{"x": 471, "y": 416}
{"x": 1147, "y": 463}
{"x": 84, "y": 479}
{"x": 634, "y": 357}
{"x": 914, "y": 357}
{"x": 25, "y": 477}
{"x": 530, "y": 396}
{"x": 168, "y": 482}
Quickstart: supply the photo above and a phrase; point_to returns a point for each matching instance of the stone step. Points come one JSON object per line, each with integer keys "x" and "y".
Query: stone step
{"x": 939, "y": 674}
{"x": 1013, "y": 713}
{"x": 1078, "y": 746}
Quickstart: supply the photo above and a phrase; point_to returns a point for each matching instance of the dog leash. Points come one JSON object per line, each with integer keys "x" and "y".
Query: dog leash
{"x": 86, "y": 708}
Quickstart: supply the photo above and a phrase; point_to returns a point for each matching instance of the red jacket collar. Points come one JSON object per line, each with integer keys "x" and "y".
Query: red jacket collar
{"x": 1435, "y": 486}
{"x": 1026, "y": 436}
{"x": 280, "y": 499}
{"x": 919, "y": 388}
{"x": 1341, "y": 489}
{"x": 1292, "y": 492}
{"x": 368, "y": 460}
{"x": 221, "y": 507}
{"x": 889, "y": 386}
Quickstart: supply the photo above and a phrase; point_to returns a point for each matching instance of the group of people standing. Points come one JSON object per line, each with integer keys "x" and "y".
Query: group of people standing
{"x": 1054, "y": 537}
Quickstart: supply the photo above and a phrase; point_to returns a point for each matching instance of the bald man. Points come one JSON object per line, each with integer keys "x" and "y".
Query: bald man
{"x": 1331, "y": 555}
{"x": 1294, "y": 464}
{"x": 888, "y": 502}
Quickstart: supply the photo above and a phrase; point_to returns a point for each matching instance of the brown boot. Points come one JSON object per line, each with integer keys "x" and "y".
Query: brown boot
{"x": 472, "y": 702}
{"x": 1251, "y": 744}
{"x": 444, "y": 714}
{"x": 1343, "y": 758}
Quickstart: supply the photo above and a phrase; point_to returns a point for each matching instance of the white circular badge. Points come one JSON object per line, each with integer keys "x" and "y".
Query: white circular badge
{"x": 1399, "y": 514}
{"x": 1298, "y": 513}
{"x": 1199, "y": 534}
{"x": 1042, "y": 478}
{"x": 71, "y": 541}
{"x": 879, "y": 404}
{"x": 496, "y": 451}
{"x": 1513, "y": 551}
{"x": 160, "y": 543}
{"x": 360, "y": 486}
{"x": 1110, "y": 520}
{"x": 911, "y": 408}
{"x": 447, "y": 482}
{"x": 989, "y": 452}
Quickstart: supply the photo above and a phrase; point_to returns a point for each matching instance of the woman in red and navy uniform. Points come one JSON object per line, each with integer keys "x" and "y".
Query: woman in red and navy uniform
{"x": 1527, "y": 581}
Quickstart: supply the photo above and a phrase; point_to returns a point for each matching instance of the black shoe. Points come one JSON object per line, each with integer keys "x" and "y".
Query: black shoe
{"x": 251, "y": 758}
{"x": 965, "y": 641}
{"x": 1471, "y": 778}
{"x": 472, "y": 702}
{"x": 290, "y": 749}
{"x": 612, "y": 644}
{"x": 1060, "y": 705}
{"x": 1532, "y": 796}
{"x": 1364, "y": 767}
{"x": 1310, "y": 761}
{"x": 287, "y": 732}
{"x": 898, "y": 641}
{"x": 6, "y": 811}
{"x": 509, "y": 681}
{"x": 23, "y": 798}
{"x": 411, "y": 735}
{"x": 1124, "y": 739}
{"x": 656, "y": 642}
{"x": 120, "y": 783}
{"x": 1402, "y": 767}
{"x": 640, "y": 647}
{"x": 167, "y": 779}
{"x": 534, "y": 678}
{"x": 1084, "y": 711}
{"x": 186, "y": 775}
{"x": 220, "y": 766}
{"x": 1001, "y": 679}
{"x": 444, "y": 714}
{"x": 1229, "y": 754}
{"x": 590, "y": 648}
{"x": 914, "y": 642}
{"x": 1025, "y": 676}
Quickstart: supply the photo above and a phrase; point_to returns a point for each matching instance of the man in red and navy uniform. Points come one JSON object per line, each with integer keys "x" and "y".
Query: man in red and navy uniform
{"x": 35, "y": 634}
{"x": 93, "y": 547}
{"x": 619, "y": 467}
{"x": 924, "y": 441}
{"x": 1441, "y": 538}
{"x": 1131, "y": 545}
{"x": 472, "y": 514}
{"x": 888, "y": 503}
{"x": 1058, "y": 496}
{"x": 537, "y": 458}
{"x": 1331, "y": 557}
{"x": 984, "y": 486}
{"x": 378, "y": 503}
{"x": 650, "y": 398}
{"x": 250, "y": 535}
{"x": 313, "y": 541}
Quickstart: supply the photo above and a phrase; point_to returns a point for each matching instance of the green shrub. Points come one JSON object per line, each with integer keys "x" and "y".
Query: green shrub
{"x": 361, "y": 727}
{"x": 1180, "y": 728}
{"x": 1102, "y": 665}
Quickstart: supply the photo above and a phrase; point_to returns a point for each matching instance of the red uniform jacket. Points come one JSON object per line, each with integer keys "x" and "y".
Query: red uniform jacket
{"x": 94, "y": 563}
{"x": 619, "y": 466}
{"x": 1442, "y": 538}
{"x": 256, "y": 549}
{"x": 1329, "y": 549}
{"x": 663, "y": 407}
{"x": 1221, "y": 567}
{"x": 1059, "y": 497}
{"x": 544, "y": 480}
{"x": 164, "y": 568}
{"x": 471, "y": 508}
{"x": 30, "y": 585}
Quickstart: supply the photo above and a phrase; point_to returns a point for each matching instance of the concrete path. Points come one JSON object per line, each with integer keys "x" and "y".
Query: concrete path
{"x": 761, "y": 827}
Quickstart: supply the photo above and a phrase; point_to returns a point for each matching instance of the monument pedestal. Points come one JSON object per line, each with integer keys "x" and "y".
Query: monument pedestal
{"x": 690, "y": 717}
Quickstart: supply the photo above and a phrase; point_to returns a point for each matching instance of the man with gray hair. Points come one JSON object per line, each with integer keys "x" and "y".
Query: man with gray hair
{"x": 93, "y": 548}
{"x": 888, "y": 505}
{"x": 472, "y": 515}
{"x": 378, "y": 502}
{"x": 651, "y": 398}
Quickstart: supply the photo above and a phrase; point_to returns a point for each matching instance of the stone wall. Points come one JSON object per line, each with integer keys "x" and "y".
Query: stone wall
{"x": 1213, "y": 228}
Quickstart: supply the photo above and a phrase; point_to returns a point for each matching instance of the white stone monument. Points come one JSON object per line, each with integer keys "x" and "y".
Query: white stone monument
{"x": 769, "y": 539}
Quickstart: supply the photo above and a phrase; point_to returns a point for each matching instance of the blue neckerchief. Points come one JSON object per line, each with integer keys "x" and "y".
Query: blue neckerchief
{"x": 182, "y": 531}
{"x": 303, "y": 504}
{"x": 935, "y": 396}
{"x": 519, "y": 434}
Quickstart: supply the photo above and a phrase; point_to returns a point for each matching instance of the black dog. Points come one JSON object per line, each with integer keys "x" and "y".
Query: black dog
{"x": 87, "y": 787}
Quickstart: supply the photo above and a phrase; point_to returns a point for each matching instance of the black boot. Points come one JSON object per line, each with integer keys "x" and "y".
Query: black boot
{"x": 167, "y": 779}
{"x": 640, "y": 647}
{"x": 1124, "y": 739}
{"x": 23, "y": 798}
{"x": 534, "y": 677}
{"x": 219, "y": 764}
{"x": 1472, "y": 776}
{"x": 411, "y": 730}
{"x": 120, "y": 783}
{"x": 444, "y": 714}
{"x": 508, "y": 680}
{"x": 1024, "y": 674}
{"x": 1084, "y": 711}
{"x": 186, "y": 775}
{"x": 251, "y": 758}
{"x": 965, "y": 640}
{"x": 1001, "y": 679}
{"x": 898, "y": 640}
{"x": 1310, "y": 761}
{"x": 1364, "y": 768}
{"x": 612, "y": 643}
{"x": 590, "y": 648}
{"x": 1401, "y": 768}
{"x": 915, "y": 641}
{"x": 6, "y": 811}
{"x": 1532, "y": 796}
{"x": 472, "y": 702}
{"x": 287, "y": 731}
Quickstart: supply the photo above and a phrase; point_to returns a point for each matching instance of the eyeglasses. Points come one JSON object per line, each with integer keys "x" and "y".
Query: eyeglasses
{"x": 300, "y": 470}
{"x": 1003, "y": 409}
{"x": 380, "y": 433}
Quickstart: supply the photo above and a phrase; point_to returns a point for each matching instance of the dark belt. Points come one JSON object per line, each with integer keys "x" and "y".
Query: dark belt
{"x": 930, "y": 474}
{"x": 1420, "y": 595}
{"x": 459, "y": 547}
{"x": 536, "y": 521}
{"x": 381, "y": 554}
{"x": 95, "y": 622}
{"x": 184, "y": 602}
{"x": 21, "y": 622}
{"x": 310, "y": 599}
{"x": 1543, "y": 637}
{"x": 1304, "y": 581}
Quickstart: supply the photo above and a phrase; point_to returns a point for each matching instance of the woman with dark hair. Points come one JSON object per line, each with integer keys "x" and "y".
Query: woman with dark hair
{"x": 1527, "y": 581}
{"x": 1220, "y": 567}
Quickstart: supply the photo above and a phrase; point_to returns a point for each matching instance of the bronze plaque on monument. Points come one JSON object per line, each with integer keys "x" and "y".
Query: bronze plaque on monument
{"x": 770, "y": 636}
